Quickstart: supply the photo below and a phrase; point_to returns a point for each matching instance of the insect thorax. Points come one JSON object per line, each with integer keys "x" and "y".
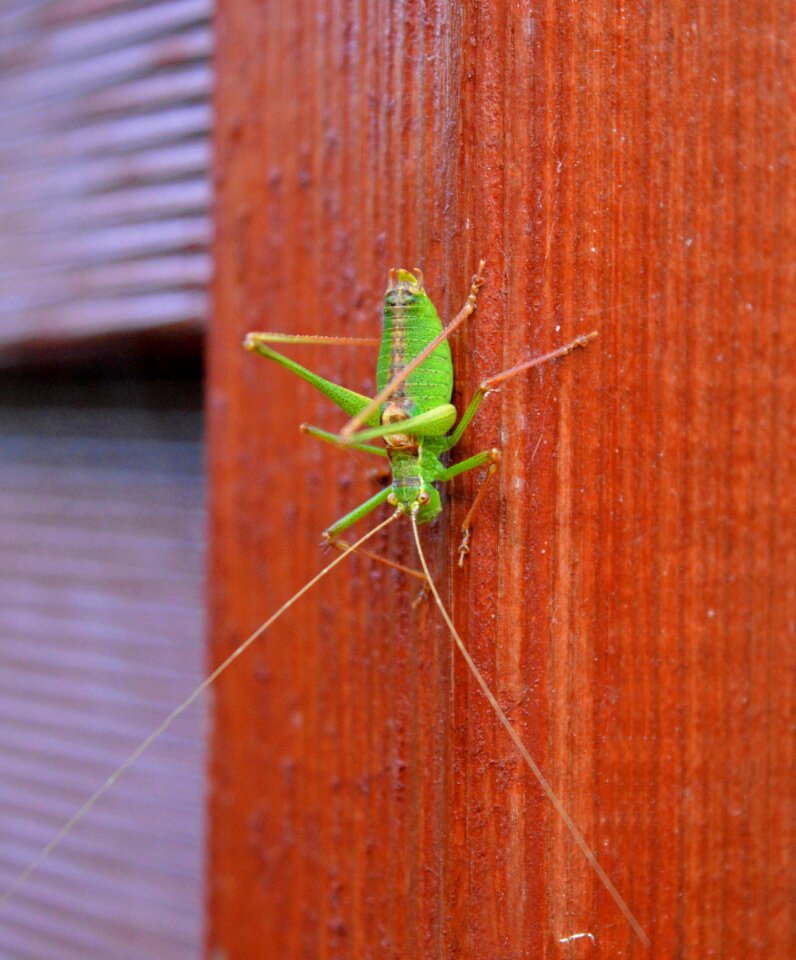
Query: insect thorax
{"x": 413, "y": 472}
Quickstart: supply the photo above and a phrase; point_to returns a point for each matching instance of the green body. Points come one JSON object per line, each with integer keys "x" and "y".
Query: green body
{"x": 415, "y": 422}
{"x": 410, "y": 324}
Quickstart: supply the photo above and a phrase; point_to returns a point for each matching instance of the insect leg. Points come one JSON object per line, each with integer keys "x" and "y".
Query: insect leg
{"x": 331, "y": 533}
{"x": 471, "y": 463}
{"x": 348, "y": 401}
{"x": 271, "y": 337}
{"x": 347, "y": 433}
{"x": 433, "y": 423}
{"x": 344, "y": 545}
{"x": 491, "y": 382}
{"x": 334, "y": 440}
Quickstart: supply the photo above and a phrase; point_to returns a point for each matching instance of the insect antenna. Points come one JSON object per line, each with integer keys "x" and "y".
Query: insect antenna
{"x": 76, "y": 817}
{"x": 540, "y": 777}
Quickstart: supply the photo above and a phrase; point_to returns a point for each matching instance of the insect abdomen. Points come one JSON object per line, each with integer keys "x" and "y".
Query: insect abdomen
{"x": 410, "y": 324}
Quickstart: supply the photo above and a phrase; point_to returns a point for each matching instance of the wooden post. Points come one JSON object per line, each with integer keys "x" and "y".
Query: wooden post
{"x": 628, "y": 594}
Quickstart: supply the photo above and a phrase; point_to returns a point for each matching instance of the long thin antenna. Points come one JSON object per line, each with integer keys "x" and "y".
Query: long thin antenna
{"x": 145, "y": 744}
{"x": 543, "y": 782}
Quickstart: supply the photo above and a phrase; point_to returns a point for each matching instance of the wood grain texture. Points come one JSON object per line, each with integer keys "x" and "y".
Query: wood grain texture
{"x": 630, "y": 591}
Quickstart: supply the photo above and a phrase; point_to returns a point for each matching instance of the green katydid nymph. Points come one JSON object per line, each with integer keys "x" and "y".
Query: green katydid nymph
{"x": 413, "y": 417}
{"x": 412, "y": 410}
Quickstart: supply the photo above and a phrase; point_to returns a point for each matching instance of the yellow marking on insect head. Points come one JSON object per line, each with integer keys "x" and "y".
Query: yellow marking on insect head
{"x": 404, "y": 276}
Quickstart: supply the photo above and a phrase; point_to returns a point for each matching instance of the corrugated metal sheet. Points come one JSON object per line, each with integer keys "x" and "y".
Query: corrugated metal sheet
{"x": 104, "y": 192}
{"x": 101, "y": 634}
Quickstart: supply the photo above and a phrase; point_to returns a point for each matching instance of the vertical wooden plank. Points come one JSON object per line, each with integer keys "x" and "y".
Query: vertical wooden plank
{"x": 622, "y": 168}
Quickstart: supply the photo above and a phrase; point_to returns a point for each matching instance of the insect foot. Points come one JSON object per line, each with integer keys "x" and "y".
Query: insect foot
{"x": 424, "y": 595}
{"x": 464, "y": 546}
{"x": 494, "y": 458}
{"x": 476, "y": 284}
{"x": 583, "y": 339}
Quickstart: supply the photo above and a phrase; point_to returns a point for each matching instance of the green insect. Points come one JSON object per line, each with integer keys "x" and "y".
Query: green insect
{"x": 413, "y": 415}
{"x": 412, "y": 410}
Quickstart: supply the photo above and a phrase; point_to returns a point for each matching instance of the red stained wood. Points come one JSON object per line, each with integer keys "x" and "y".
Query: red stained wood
{"x": 630, "y": 591}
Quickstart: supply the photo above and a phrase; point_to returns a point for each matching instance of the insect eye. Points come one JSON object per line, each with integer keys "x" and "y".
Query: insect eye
{"x": 392, "y": 500}
{"x": 423, "y": 498}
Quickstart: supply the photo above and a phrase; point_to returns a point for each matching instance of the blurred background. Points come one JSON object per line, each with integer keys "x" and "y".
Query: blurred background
{"x": 104, "y": 266}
